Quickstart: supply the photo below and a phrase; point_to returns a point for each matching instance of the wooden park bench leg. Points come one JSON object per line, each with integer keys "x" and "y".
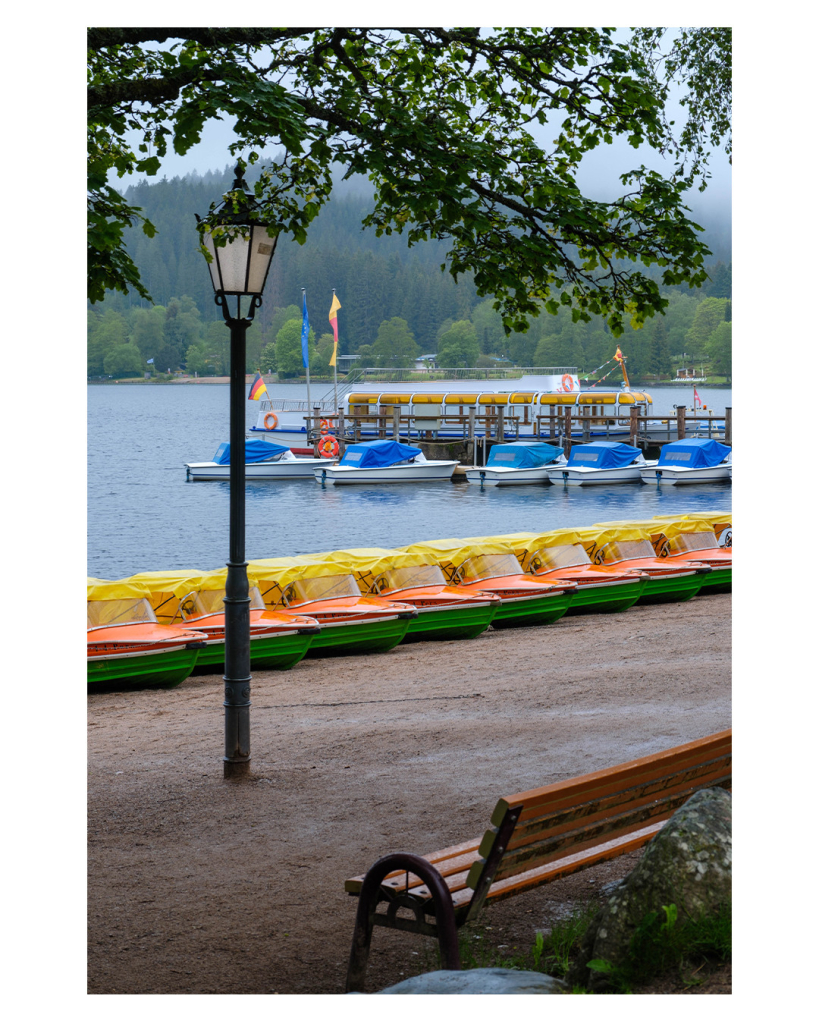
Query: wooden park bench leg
{"x": 371, "y": 895}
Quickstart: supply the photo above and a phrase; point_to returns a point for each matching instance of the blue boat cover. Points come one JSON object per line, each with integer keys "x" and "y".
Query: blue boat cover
{"x": 603, "y": 454}
{"x": 370, "y": 454}
{"x": 695, "y": 452}
{"x": 255, "y": 451}
{"x": 523, "y": 454}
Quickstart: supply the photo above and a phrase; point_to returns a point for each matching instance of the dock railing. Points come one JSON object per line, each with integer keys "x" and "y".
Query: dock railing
{"x": 559, "y": 426}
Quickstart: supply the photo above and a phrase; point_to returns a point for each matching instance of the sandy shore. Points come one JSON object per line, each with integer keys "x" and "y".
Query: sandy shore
{"x": 199, "y": 885}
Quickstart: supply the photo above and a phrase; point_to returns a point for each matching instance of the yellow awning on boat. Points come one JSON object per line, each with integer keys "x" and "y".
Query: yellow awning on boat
{"x": 114, "y": 590}
{"x": 365, "y": 564}
{"x": 166, "y": 588}
{"x": 452, "y": 552}
{"x": 272, "y": 575}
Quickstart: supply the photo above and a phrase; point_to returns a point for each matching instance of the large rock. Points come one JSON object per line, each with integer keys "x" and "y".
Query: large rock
{"x": 492, "y": 981}
{"x": 688, "y": 863}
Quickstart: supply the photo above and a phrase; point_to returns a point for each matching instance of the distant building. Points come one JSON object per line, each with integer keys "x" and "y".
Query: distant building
{"x": 426, "y": 362}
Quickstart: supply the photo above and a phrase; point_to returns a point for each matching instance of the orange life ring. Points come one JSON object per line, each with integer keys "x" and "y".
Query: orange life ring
{"x": 328, "y": 447}
{"x": 568, "y": 383}
{"x": 271, "y": 420}
{"x": 324, "y": 426}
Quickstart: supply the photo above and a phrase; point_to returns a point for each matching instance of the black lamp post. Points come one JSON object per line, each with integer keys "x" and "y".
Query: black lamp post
{"x": 238, "y": 270}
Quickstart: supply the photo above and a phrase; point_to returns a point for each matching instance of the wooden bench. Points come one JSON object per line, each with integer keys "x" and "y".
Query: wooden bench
{"x": 535, "y": 837}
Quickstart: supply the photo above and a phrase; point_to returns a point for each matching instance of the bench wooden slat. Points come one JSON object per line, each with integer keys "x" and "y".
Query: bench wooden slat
{"x": 563, "y": 794}
{"x": 536, "y": 829}
{"x": 584, "y": 838}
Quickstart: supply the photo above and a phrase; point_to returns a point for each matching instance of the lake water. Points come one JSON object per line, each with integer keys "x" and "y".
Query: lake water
{"x": 143, "y": 514}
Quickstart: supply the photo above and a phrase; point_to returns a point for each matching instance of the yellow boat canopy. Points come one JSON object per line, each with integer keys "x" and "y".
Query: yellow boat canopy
{"x": 366, "y": 564}
{"x": 452, "y": 552}
{"x": 114, "y": 590}
{"x": 166, "y": 588}
{"x": 272, "y": 575}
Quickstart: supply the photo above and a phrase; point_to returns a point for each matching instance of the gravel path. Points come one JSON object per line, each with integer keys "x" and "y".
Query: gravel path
{"x": 200, "y": 885}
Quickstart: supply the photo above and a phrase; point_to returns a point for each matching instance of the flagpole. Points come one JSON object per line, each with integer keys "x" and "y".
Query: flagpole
{"x": 335, "y": 375}
{"x": 306, "y": 350}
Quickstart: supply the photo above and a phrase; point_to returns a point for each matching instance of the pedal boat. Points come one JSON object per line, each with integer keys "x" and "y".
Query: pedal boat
{"x": 679, "y": 540}
{"x": 719, "y": 522}
{"x": 480, "y": 564}
{"x": 384, "y": 462}
{"x": 444, "y": 612}
{"x": 694, "y": 460}
{"x": 629, "y": 547}
{"x": 600, "y": 462}
{"x": 127, "y": 647}
{"x": 327, "y": 591}
{"x": 559, "y": 556}
{"x": 519, "y": 462}
{"x": 277, "y": 640}
{"x": 264, "y": 460}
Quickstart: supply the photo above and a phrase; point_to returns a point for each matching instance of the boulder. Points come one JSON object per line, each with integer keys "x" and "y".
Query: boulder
{"x": 688, "y": 863}
{"x": 493, "y": 981}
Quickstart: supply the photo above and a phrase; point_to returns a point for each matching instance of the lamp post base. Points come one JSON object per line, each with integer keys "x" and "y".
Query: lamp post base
{"x": 236, "y": 769}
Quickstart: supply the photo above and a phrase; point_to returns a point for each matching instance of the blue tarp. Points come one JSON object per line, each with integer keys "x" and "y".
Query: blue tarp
{"x": 522, "y": 454}
{"x": 693, "y": 452}
{"x": 603, "y": 454}
{"x": 370, "y": 454}
{"x": 255, "y": 451}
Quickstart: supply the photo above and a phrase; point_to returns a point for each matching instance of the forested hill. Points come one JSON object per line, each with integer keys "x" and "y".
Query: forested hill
{"x": 375, "y": 278}
{"x": 396, "y": 301}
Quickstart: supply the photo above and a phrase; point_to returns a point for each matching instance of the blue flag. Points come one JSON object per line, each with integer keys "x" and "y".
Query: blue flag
{"x": 305, "y": 330}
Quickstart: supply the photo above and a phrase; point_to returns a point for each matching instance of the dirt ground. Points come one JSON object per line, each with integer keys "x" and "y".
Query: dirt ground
{"x": 201, "y": 885}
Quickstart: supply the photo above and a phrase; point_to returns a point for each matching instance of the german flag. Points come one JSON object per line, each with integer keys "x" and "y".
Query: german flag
{"x": 257, "y": 388}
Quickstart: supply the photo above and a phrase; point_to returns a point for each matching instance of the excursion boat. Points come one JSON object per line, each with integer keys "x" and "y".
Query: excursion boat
{"x": 264, "y": 460}
{"x": 694, "y": 460}
{"x": 479, "y": 564}
{"x": 680, "y": 540}
{"x": 327, "y": 591}
{"x": 600, "y": 462}
{"x": 444, "y": 612}
{"x": 559, "y": 556}
{"x": 277, "y": 640}
{"x": 127, "y": 647}
{"x": 630, "y": 547}
{"x": 519, "y": 462}
{"x": 384, "y": 462}
{"x": 532, "y": 403}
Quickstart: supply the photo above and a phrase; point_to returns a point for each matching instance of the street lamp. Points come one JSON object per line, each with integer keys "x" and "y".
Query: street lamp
{"x": 238, "y": 270}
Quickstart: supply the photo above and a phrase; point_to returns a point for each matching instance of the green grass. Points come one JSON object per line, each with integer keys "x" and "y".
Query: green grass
{"x": 663, "y": 942}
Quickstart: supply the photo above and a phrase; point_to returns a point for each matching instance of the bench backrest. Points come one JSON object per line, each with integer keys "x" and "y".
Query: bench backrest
{"x": 531, "y": 829}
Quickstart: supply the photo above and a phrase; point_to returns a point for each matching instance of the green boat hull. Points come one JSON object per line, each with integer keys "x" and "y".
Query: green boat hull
{"x": 662, "y": 589}
{"x": 268, "y": 652}
{"x": 450, "y": 623}
{"x": 614, "y": 597}
{"x": 362, "y": 637}
{"x": 137, "y": 672}
{"x": 532, "y": 611}
{"x": 718, "y": 581}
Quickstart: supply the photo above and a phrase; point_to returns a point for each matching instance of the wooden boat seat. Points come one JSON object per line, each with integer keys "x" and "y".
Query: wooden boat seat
{"x": 534, "y": 837}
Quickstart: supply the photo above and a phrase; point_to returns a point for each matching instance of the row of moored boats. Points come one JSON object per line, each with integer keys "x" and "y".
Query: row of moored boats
{"x": 158, "y": 628}
{"x": 688, "y": 461}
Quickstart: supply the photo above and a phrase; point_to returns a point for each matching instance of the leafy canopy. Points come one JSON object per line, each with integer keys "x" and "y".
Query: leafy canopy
{"x": 441, "y": 121}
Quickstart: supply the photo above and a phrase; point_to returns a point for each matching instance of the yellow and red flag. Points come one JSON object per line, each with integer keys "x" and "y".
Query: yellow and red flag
{"x": 618, "y": 355}
{"x": 257, "y": 388}
{"x": 334, "y": 308}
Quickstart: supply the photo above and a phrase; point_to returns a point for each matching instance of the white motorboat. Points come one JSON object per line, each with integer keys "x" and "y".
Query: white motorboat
{"x": 694, "y": 460}
{"x": 600, "y": 462}
{"x": 519, "y": 462}
{"x": 384, "y": 462}
{"x": 264, "y": 460}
